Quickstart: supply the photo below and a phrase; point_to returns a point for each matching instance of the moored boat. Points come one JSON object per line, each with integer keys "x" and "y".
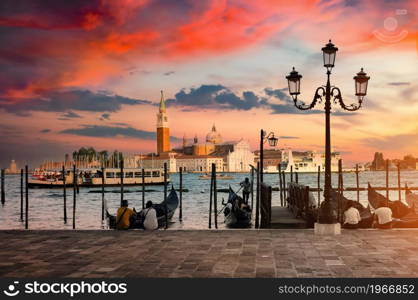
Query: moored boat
{"x": 93, "y": 178}
{"x": 235, "y": 215}
{"x": 170, "y": 205}
{"x": 365, "y": 212}
{"x": 377, "y": 200}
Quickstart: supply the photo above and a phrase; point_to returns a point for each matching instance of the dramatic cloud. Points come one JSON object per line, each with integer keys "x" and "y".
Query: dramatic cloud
{"x": 287, "y": 137}
{"x": 169, "y": 73}
{"x": 45, "y": 130}
{"x": 67, "y": 100}
{"x": 55, "y": 44}
{"x": 217, "y": 97}
{"x": 112, "y": 131}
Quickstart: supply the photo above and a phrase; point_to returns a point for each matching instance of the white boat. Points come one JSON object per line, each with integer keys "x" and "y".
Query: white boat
{"x": 304, "y": 162}
{"x": 93, "y": 177}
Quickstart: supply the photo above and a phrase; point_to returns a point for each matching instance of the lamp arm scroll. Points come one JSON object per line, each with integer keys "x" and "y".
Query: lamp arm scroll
{"x": 318, "y": 96}
{"x": 336, "y": 93}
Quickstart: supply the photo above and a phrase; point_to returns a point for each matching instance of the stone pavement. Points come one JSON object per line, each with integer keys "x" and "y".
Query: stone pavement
{"x": 227, "y": 253}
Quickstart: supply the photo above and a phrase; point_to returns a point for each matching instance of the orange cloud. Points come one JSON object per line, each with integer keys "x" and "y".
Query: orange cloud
{"x": 84, "y": 44}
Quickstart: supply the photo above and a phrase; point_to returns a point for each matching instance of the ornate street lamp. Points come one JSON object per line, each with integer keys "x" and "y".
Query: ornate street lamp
{"x": 327, "y": 214}
{"x": 272, "y": 140}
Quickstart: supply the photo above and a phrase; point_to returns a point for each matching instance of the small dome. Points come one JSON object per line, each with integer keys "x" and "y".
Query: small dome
{"x": 213, "y": 137}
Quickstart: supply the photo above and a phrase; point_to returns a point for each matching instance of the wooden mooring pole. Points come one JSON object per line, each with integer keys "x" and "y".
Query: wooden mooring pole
{"x": 21, "y": 195}
{"x": 285, "y": 191}
{"x": 210, "y": 199}
{"x": 252, "y": 187}
{"x": 103, "y": 192}
{"x": 341, "y": 185}
{"x": 280, "y": 184}
{"x": 399, "y": 182}
{"x": 26, "y": 197}
{"x": 297, "y": 177}
{"x": 165, "y": 195}
{"x": 357, "y": 184}
{"x": 319, "y": 187}
{"x": 291, "y": 173}
{"x": 74, "y": 193}
{"x": 64, "y": 194}
{"x": 121, "y": 182}
{"x": 143, "y": 188}
{"x": 257, "y": 198}
{"x": 387, "y": 181}
{"x": 3, "y": 193}
{"x": 181, "y": 194}
{"x": 215, "y": 197}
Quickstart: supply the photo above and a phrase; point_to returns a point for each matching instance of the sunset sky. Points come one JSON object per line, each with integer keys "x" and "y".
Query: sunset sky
{"x": 89, "y": 73}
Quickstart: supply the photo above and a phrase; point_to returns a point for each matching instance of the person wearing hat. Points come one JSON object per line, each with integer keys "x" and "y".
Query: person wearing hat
{"x": 123, "y": 216}
{"x": 149, "y": 217}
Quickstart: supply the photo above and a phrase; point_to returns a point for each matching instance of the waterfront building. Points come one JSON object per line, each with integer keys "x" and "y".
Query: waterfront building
{"x": 195, "y": 156}
{"x": 163, "y": 131}
{"x": 233, "y": 156}
{"x": 151, "y": 161}
{"x": 199, "y": 163}
{"x": 12, "y": 169}
{"x": 271, "y": 161}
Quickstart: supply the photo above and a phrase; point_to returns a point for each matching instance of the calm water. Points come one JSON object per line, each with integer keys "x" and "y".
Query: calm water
{"x": 46, "y": 205}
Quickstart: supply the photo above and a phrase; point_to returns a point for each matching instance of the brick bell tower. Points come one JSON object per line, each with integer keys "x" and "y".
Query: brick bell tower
{"x": 163, "y": 132}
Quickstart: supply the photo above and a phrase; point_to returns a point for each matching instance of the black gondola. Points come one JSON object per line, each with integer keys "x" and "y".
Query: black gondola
{"x": 377, "y": 200}
{"x": 172, "y": 204}
{"x": 235, "y": 215}
{"x": 365, "y": 212}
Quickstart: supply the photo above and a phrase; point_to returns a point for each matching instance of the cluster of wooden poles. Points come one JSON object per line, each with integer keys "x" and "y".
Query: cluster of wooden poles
{"x": 213, "y": 200}
{"x": 294, "y": 177}
{"x": 24, "y": 194}
{"x": 213, "y": 196}
{"x": 24, "y": 212}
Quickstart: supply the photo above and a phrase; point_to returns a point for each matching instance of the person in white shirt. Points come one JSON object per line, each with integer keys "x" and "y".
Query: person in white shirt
{"x": 149, "y": 216}
{"x": 384, "y": 217}
{"x": 351, "y": 217}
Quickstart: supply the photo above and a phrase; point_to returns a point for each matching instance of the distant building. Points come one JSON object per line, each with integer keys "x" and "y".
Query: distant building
{"x": 199, "y": 163}
{"x": 194, "y": 156}
{"x": 163, "y": 131}
{"x": 12, "y": 169}
{"x": 272, "y": 159}
{"x": 229, "y": 156}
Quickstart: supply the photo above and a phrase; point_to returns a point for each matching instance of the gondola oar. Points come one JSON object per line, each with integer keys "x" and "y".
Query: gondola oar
{"x": 225, "y": 204}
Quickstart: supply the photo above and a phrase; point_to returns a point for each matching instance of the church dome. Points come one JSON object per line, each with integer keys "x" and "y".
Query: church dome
{"x": 213, "y": 137}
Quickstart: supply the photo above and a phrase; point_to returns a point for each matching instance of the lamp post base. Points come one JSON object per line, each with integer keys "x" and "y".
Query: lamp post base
{"x": 327, "y": 229}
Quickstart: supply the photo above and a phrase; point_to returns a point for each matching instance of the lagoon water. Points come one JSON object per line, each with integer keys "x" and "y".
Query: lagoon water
{"x": 46, "y": 205}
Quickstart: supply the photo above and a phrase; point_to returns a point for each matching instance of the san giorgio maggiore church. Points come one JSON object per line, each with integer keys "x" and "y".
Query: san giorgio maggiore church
{"x": 193, "y": 155}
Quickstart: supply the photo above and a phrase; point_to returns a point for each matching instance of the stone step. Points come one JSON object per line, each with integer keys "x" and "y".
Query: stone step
{"x": 281, "y": 217}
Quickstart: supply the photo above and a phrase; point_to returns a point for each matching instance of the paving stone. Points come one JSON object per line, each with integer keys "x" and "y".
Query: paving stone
{"x": 203, "y": 253}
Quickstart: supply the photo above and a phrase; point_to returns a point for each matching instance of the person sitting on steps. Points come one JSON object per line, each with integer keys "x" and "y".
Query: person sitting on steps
{"x": 351, "y": 216}
{"x": 149, "y": 217}
{"x": 124, "y": 215}
{"x": 383, "y": 218}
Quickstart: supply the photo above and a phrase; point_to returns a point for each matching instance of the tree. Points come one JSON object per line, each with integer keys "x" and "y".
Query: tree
{"x": 410, "y": 161}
